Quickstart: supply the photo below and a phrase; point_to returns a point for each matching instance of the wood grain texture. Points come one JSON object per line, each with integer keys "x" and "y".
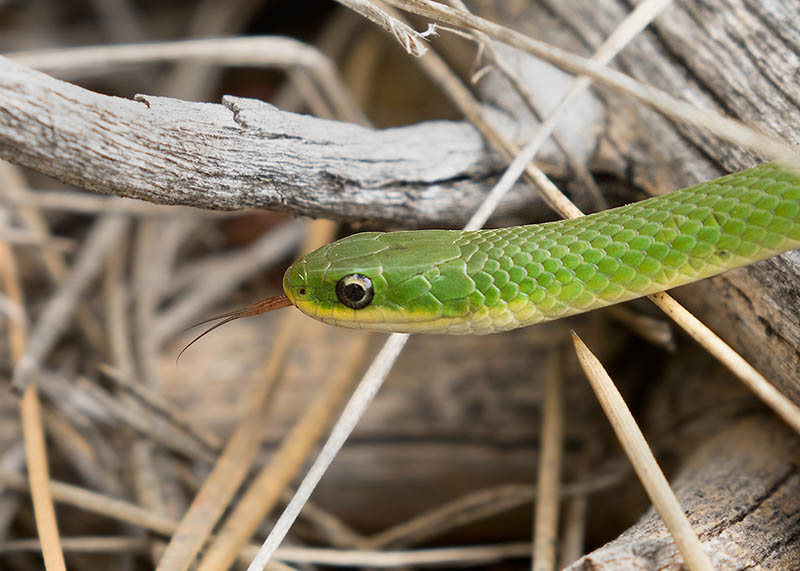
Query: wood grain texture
{"x": 245, "y": 154}
{"x": 741, "y": 491}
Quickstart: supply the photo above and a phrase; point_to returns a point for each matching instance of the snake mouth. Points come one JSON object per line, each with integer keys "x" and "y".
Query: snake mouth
{"x": 374, "y": 318}
{"x": 381, "y": 319}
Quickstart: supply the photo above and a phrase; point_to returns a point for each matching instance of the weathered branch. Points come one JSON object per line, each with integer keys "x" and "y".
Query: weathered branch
{"x": 244, "y": 153}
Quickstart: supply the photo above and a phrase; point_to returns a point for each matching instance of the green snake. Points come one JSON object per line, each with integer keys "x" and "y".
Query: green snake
{"x": 459, "y": 282}
{"x": 484, "y": 281}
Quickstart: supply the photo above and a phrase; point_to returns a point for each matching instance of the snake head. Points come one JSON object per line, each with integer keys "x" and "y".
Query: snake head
{"x": 398, "y": 281}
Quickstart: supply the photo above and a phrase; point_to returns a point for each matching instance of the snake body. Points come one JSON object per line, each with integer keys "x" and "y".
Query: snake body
{"x": 459, "y": 282}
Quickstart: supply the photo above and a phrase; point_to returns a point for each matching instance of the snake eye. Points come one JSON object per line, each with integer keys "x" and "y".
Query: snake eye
{"x": 355, "y": 291}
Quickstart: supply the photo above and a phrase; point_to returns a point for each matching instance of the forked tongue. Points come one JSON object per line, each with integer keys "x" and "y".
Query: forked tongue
{"x": 256, "y": 308}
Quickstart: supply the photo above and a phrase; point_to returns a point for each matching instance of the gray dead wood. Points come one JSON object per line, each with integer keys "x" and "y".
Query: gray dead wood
{"x": 741, "y": 492}
{"x": 246, "y": 153}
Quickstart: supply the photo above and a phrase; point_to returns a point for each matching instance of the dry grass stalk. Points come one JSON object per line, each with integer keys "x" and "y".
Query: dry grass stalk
{"x": 482, "y": 504}
{"x": 412, "y": 41}
{"x": 743, "y": 370}
{"x": 97, "y": 503}
{"x": 156, "y": 401}
{"x": 230, "y": 468}
{"x": 56, "y": 315}
{"x": 654, "y": 329}
{"x": 364, "y": 393}
{"x": 32, "y": 426}
{"x": 548, "y": 482}
{"x": 441, "y": 556}
{"x": 642, "y": 458}
{"x": 39, "y": 477}
{"x": 15, "y": 188}
{"x": 159, "y": 523}
{"x": 575, "y": 512}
